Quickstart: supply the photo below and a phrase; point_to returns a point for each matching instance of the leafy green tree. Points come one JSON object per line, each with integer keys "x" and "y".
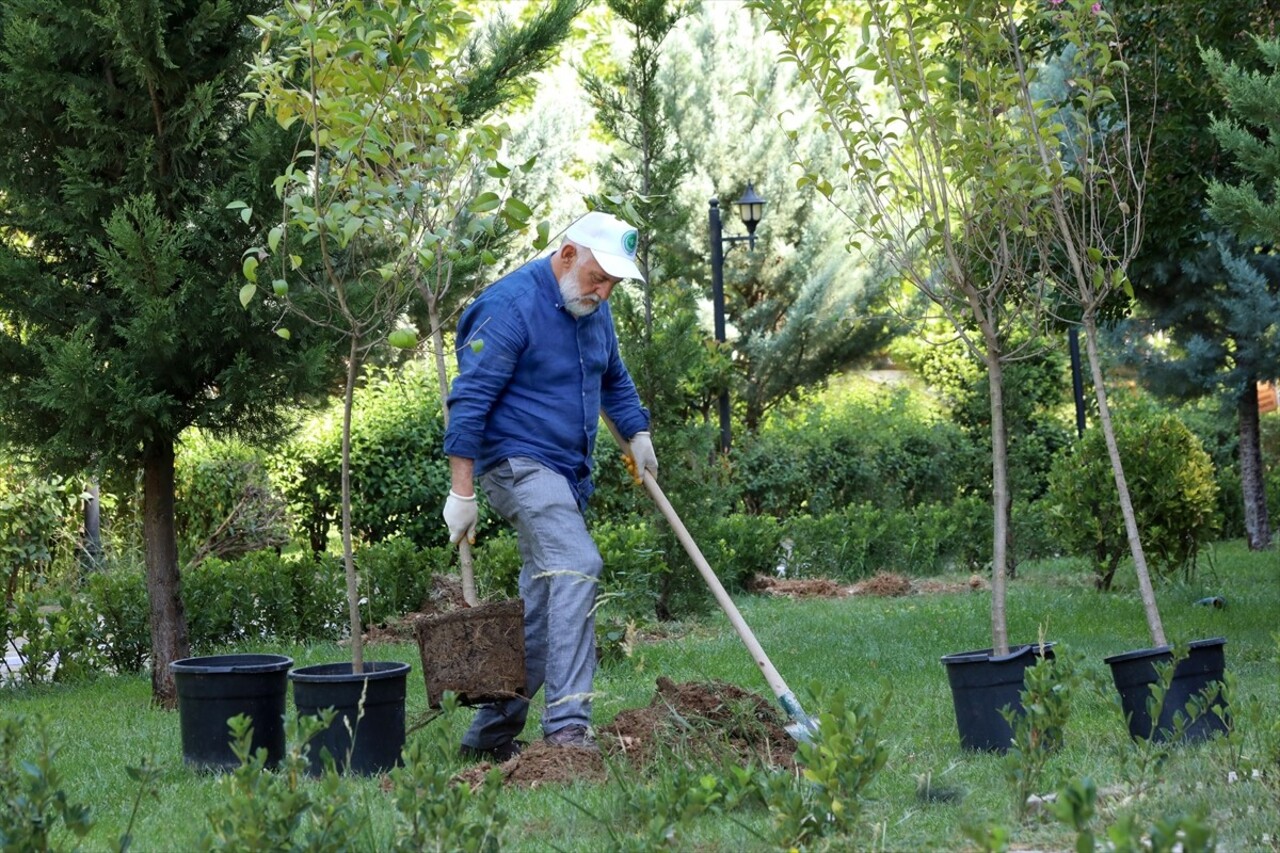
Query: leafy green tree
{"x": 386, "y": 190}
{"x": 127, "y": 139}
{"x": 943, "y": 179}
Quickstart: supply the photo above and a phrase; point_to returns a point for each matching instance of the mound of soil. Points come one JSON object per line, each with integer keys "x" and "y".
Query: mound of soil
{"x": 883, "y": 583}
{"x": 712, "y": 721}
{"x": 797, "y": 587}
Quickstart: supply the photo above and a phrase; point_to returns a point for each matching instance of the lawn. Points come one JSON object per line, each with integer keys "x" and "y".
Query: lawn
{"x": 868, "y": 647}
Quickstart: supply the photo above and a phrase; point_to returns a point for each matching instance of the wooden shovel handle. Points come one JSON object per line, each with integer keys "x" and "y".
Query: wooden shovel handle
{"x": 771, "y": 674}
{"x": 468, "y": 573}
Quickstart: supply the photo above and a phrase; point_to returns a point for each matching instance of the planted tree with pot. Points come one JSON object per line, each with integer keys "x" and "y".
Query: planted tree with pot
{"x": 1093, "y": 155}
{"x": 939, "y": 175}
{"x": 382, "y": 197}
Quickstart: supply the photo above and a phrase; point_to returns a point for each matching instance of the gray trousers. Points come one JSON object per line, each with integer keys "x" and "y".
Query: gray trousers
{"x": 558, "y": 579}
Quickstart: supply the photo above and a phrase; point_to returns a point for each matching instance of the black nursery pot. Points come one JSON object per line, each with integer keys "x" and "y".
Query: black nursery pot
{"x": 981, "y": 685}
{"x": 1134, "y": 674}
{"x": 212, "y": 690}
{"x": 369, "y": 704}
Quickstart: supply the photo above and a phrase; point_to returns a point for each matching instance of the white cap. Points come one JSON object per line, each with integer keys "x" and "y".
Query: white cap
{"x": 612, "y": 242}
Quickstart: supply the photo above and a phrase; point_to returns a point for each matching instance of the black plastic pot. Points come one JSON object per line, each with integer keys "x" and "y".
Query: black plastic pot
{"x": 370, "y": 705}
{"x": 212, "y": 690}
{"x": 1134, "y": 674}
{"x": 981, "y": 685}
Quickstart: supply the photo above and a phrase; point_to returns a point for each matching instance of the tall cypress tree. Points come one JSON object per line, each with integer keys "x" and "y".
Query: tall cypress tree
{"x": 119, "y": 263}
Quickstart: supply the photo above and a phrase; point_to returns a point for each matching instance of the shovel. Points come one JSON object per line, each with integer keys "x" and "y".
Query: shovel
{"x": 802, "y": 727}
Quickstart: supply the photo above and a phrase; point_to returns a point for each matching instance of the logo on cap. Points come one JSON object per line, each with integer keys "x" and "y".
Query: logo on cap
{"x": 629, "y": 241}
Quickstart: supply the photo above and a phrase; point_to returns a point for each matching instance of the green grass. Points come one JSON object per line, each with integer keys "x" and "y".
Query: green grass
{"x": 867, "y": 647}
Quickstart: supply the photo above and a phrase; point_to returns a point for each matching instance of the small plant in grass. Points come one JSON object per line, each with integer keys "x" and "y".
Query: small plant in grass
{"x": 661, "y": 815}
{"x": 282, "y": 810}
{"x": 1076, "y": 806}
{"x": 990, "y": 837}
{"x": 1038, "y": 729}
{"x": 840, "y": 761}
{"x": 35, "y": 812}
{"x": 1141, "y": 757}
{"x": 434, "y": 813}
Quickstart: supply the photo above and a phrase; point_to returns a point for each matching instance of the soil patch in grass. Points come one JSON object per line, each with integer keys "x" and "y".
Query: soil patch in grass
{"x": 710, "y": 721}
{"x": 885, "y": 584}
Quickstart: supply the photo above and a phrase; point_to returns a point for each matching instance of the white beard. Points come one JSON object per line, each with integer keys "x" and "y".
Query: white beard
{"x": 571, "y": 292}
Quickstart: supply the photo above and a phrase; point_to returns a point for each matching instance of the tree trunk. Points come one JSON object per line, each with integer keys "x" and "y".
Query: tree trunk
{"x": 1257, "y": 523}
{"x": 91, "y": 540}
{"x": 999, "y": 500}
{"x": 437, "y": 349}
{"x": 1122, "y": 485}
{"x": 348, "y": 550}
{"x": 168, "y": 619}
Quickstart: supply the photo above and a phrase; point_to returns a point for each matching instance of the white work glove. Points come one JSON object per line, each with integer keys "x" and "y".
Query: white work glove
{"x": 642, "y": 457}
{"x": 461, "y": 515}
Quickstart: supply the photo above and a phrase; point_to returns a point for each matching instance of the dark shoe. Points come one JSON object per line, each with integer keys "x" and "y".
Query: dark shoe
{"x": 576, "y": 737}
{"x": 496, "y": 754}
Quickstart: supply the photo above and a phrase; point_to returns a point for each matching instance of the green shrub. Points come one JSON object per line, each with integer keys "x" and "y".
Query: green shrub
{"x": 118, "y": 601}
{"x": 57, "y": 640}
{"x": 225, "y": 505}
{"x": 38, "y": 520}
{"x": 399, "y": 473}
{"x": 497, "y": 564}
{"x": 738, "y": 547}
{"x": 395, "y": 576}
{"x": 878, "y": 446}
{"x": 634, "y": 564}
{"x": 1171, "y": 483}
{"x": 261, "y": 596}
{"x": 864, "y": 539}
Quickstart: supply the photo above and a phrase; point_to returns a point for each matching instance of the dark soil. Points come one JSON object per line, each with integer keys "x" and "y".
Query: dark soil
{"x": 706, "y": 721}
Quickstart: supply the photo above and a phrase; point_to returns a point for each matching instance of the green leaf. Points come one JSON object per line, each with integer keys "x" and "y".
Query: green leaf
{"x": 543, "y": 238}
{"x": 403, "y": 339}
{"x": 485, "y": 202}
{"x": 284, "y": 333}
{"x": 246, "y": 294}
{"x": 250, "y": 269}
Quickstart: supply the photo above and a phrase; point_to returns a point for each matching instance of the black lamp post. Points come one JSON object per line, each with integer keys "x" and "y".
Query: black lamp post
{"x": 751, "y": 209}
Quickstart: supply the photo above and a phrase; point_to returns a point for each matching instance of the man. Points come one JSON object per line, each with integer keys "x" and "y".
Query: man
{"x": 538, "y": 361}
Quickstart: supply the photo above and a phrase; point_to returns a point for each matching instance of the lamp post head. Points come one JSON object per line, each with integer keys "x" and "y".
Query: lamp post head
{"x": 751, "y": 209}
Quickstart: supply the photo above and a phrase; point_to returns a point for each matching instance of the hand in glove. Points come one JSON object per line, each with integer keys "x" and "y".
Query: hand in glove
{"x": 642, "y": 457}
{"x": 461, "y": 515}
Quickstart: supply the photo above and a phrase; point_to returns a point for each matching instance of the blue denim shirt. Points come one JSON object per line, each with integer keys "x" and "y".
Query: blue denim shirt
{"x": 535, "y": 384}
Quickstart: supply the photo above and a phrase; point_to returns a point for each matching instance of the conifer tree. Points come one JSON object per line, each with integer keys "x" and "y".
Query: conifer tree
{"x": 1180, "y": 276}
{"x": 126, "y": 139}
{"x": 802, "y": 309}
{"x": 1250, "y": 208}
